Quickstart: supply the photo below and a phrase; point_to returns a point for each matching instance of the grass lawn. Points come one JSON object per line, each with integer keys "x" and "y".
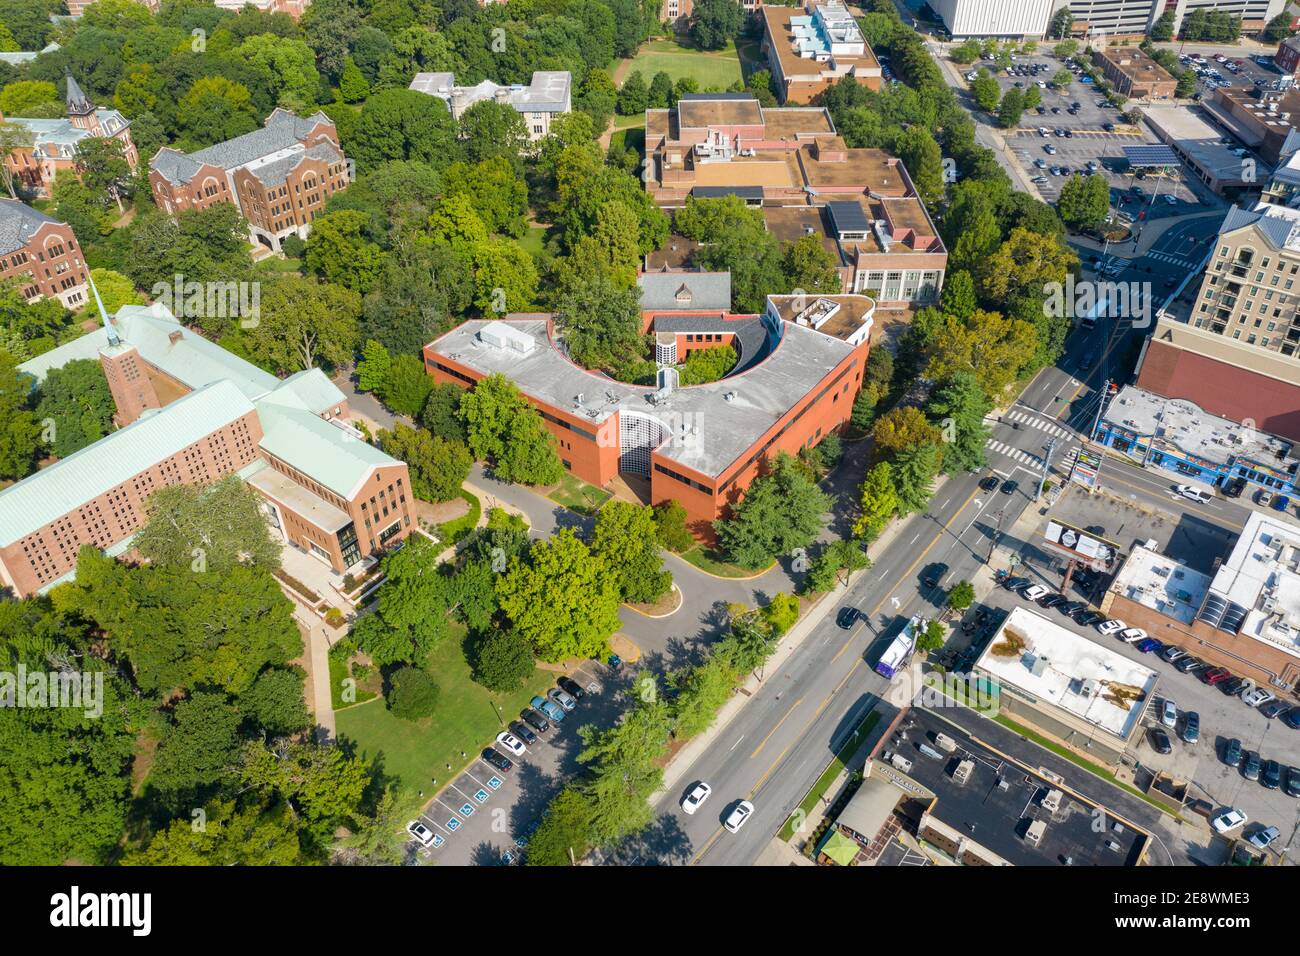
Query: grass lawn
{"x": 712, "y": 69}
{"x": 534, "y": 240}
{"x": 633, "y": 138}
{"x": 466, "y": 719}
{"x": 450, "y": 532}
{"x": 576, "y": 495}
{"x": 805, "y": 808}
{"x": 708, "y": 560}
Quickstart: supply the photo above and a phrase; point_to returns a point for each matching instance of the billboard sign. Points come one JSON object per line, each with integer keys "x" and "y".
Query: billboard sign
{"x": 1078, "y": 545}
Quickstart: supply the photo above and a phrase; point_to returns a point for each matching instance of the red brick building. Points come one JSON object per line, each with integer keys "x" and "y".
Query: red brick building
{"x": 41, "y": 254}
{"x": 800, "y": 367}
{"x": 279, "y": 177}
{"x": 191, "y": 412}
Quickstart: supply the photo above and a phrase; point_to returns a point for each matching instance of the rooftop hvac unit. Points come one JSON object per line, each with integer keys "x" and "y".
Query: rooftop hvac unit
{"x": 502, "y": 336}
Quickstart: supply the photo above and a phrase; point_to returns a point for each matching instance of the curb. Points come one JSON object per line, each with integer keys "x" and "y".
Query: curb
{"x": 681, "y": 599}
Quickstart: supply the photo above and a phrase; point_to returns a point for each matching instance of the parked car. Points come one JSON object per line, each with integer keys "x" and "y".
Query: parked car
{"x": 1257, "y": 697}
{"x": 1050, "y": 149}
{"x": 1292, "y": 783}
{"x": 1148, "y": 645}
{"x": 498, "y": 760}
{"x": 1168, "y": 713}
{"x": 1089, "y": 618}
{"x": 511, "y": 743}
{"x": 1233, "y": 686}
{"x": 1173, "y": 653}
{"x": 1274, "y": 708}
{"x": 1033, "y": 592}
{"x": 1191, "y": 727}
{"x": 551, "y": 709}
{"x": 1292, "y": 718}
{"x": 1250, "y": 765}
{"x": 571, "y": 687}
{"x": 698, "y": 794}
{"x": 1188, "y": 665}
{"x": 1264, "y": 497}
{"x": 562, "y": 698}
{"x": 1281, "y": 503}
{"x": 1160, "y": 741}
{"x": 535, "y": 720}
{"x": 847, "y": 617}
{"x": 1069, "y": 608}
{"x": 1232, "y": 753}
{"x": 1050, "y": 600}
{"x": 1014, "y": 583}
{"x": 1110, "y": 627}
{"x": 1229, "y": 820}
{"x": 990, "y": 482}
{"x": 737, "y": 817}
{"x": 524, "y": 732}
{"x": 1215, "y": 675}
{"x": 419, "y": 832}
{"x": 1271, "y": 775}
{"x": 1263, "y": 839}
{"x": 1131, "y": 635}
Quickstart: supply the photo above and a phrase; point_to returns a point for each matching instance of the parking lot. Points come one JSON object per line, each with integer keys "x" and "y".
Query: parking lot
{"x": 485, "y": 815}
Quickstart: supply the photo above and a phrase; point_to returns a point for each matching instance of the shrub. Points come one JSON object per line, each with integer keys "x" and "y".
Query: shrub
{"x": 412, "y": 694}
{"x": 503, "y": 661}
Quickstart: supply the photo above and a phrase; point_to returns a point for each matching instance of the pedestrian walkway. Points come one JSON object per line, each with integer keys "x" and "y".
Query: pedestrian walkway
{"x": 1024, "y": 457}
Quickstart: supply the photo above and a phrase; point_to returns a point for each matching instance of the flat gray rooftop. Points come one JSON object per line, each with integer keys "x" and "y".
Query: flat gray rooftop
{"x": 718, "y": 429}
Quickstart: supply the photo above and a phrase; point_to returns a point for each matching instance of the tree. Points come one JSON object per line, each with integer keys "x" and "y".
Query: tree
{"x": 438, "y": 467}
{"x": 965, "y": 52}
{"x": 1033, "y": 97}
{"x": 781, "y": 511}
{"x": 1279, "y": 28}
{"x": 1058, "y": 28}
{"x": 670, "y": 526}
{"x": 12, "y": 136}
{"x": 904, "y": 426}
{"x": 959, "y": 405}
{"x": 406, "y": 386}
{"x": 75, "y": 406}
{"x": 661, "y": 92}
{"x": 715, "y": 22}
{"x": 275, "y": 701}
{"x": 601, "y": 322}
{"x": 353, "y": 86}
{"x": 504, "y": 429}
{"x": 1025, "y": 262}
{"x": 699, "y": 691}
{"x": 878, "y": 502}
{"x": 490, "y": 130}
{"x": 1061, "y": 79}
{"x": 627, "y": 540}
{"x": 958, "y": 297}
{"x": 846, "y": 556}
{"x": 373, "y": 368}
{"x": 338, "y": 250}
{"x": 20, "y": 432}
{"x": 503, "y": 660}
{"x": 990, "y": 346}
{"x": 206, "y": 528}
{"x": 215, "y": 109}
{"x": 1011, "y": 109}
{"x": 402, "y": 124}
{"x": 986, "y": 91}
{"x": 1065, "y": 49}
{"x": 562, "y": 600}
{"x": 102, "y": 166}
{"x": 1163, "y": 29}
{"x": 1085, "y": 201}
{"x": 1186, "y": 85}
{"x": 303, "y": 323}
{"x": 31, "y": 98}
{"x": 231, "y": 835}
{"x": 809, "y": 266}
{"x": 412, "y": 693}
{"x": 115, "y": 290}
{"x": 931, "y": 638}
{"x": 961, "y": 596}
{"x": 441, "y": 413}
{"x": 290, "y": 65}
{"x": 913, "y": 471}
{"x": 564, "y": 833}
{"x": 410, "y": 615}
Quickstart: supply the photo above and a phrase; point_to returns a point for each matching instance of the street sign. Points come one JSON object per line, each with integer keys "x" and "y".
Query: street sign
{"x": 1086, "y": 465}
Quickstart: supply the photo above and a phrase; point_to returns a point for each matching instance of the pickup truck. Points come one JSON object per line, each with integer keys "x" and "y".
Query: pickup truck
{"x": 549, "y": 708}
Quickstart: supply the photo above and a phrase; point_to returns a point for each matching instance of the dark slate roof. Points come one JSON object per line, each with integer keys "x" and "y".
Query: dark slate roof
{"x": 18, "y": 223}
{"x": 274, "y": 173}
{"x": 695, "y": 291}
{"x": 847, "y": 216}
{"x": 77, "y": 101}
{"x": 282, "y": 130}
{"x": 717, "y": 192}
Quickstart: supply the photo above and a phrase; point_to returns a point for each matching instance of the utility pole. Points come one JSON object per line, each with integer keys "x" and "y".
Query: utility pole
{"x": 995, "y": 536}
{"x": 1047, "y": 463}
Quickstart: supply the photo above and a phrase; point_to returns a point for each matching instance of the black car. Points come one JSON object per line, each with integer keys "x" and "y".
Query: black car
{"x": 1292, "y": 784}
{"x": 1089, "y": 618}
{"x": 934, "y": 574}
{"x": 1234, "y": 488}
{"x": 1232, "y": 753}
{"x": 1274, "y": 708}
{"x": 1009, "y": 486}
{"x": 1271, "y": 776}
{"x": 1160, "y": 741}
{"x": 1108, "y": 127}
{"x": 523, "y": 733}
{"x": 1234, "y": 686}
{"x": 847, "y": 617}
{"x": 1050, "y": 600}
{"x": 1189, "y": 664}
{"x": 1250, "y": 765}
{"x": 1292, "y": 718}
{"x": 989, "y": 483}
{"x": 1070, "y": 608}
{"x": 498, "y": 760}
{"x": 1014, "y": 583}
{"x": 571, "y": 687}
{"x": 1069, "y": 134}
{"x": 535, "y": 720}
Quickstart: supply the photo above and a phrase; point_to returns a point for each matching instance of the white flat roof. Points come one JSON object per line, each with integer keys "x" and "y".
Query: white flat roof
{"x": 1045, "y": 661}
{"x": 1162, "y": 584}
{"x": 1261, "y": 577}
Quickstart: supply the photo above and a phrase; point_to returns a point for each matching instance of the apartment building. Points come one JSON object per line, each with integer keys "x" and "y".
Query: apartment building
{"x": 41, "y": 254}
{"x": 811, "y": 49}
{"x": 1287, "y": 57}
{"x": 548, "y": 95}
{"x": 1264, "y": 120}
{"x": 701, "y": 445}
{"x": 1134, "y": 74}
{"x": 278, "y": 177}
{"x": 790, "y": 162}
{"x": 55, "y": 141}
{"x": 191, "y": 412}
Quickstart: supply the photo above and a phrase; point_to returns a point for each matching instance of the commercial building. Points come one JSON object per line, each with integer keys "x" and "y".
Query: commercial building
{"x": 1133, "y": 18}
{"x": 191, "y": 412}
{"x": 811, "y": 49}
{"x": 995, "y": 18}
{"x": 1263, "y": 120}
{"x": 1069, "y": 686}
{"x": 1134, "y": 74}
{"x": 1178, "y": 436}
{"x": 1245, "y": 616}
{"x": 701, "y": 445}
{"x": 55, "y": 141}
{"x": 546, "y": 97}
{"x": 278, "y": 177}
{"x": 41, "y": 254}
{"x": 790, "y": 162}
{"x": 1202, "y": 147}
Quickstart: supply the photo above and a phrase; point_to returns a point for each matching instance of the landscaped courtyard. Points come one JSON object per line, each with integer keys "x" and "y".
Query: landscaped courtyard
{"x": 711, "y": 69}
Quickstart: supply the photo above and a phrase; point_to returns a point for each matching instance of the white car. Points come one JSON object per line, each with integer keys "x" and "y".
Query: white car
{"x": 1132, "y": 635}
{"x": 1230, "y": 819}
{"x": 1172, "y": 200}
{"x": 736, "y": 819}
{"x": 1168, "y": 713}
{"x": 512, "y": 743}
{"x": 1258, "y": 697}
{"x": 1192, "y": 493}
{"x": 1110, "y": 627}
{"x": 1262, "y": 839}
{"x": 699, "y": 793}
{"x": 1033, "y": 592}
{"x": 420, "y": 832}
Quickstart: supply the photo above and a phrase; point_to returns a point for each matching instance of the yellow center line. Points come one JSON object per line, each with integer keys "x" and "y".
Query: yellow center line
{"x": 776, "y": 728}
